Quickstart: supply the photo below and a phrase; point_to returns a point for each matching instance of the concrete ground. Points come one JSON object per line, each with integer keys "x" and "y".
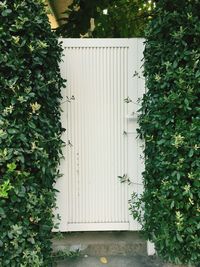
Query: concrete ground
{"x": 102, "y": 243}
{"x": 112, "y": 261}
{"x": 109, "y": 249}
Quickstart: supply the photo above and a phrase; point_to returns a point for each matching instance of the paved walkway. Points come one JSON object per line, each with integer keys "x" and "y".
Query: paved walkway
{"x": 112, "y": 261}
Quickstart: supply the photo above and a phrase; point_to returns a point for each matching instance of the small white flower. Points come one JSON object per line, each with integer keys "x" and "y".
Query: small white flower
{"x": 196, "y": 147}
{"x": 105, "y": 11}
{"x": 179, "y": 219}
{"x": 16, "y": 39}
{"x": 191, "y": 201}
{"x": 21, "y": 99}
{"x": 157, "y": 77}
{"x": 76, "y": 8}
{"x": 31, "y": 48}
{"x": 187, "y": 188}
{"x": 191, "y": 175}
{"x": 33, "y": 146}
{"x": 35, "y": 107}
{"x": 8, "y": 110}
{"x": 178, "y": 140}
{"x": 41, "y": 44}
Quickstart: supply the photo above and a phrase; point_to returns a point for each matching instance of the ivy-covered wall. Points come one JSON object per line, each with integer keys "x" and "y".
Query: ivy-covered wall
{"x": 170, "y": 124}
{"x": 30, "y": 132}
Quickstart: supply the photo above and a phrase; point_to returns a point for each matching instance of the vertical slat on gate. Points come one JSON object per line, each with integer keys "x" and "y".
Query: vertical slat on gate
{"x": 99, "y": 74}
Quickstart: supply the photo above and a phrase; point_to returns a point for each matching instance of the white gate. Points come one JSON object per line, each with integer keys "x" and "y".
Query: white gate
{"x": 100, "y": 133}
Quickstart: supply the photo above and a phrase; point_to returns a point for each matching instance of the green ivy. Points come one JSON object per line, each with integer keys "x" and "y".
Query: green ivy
{"x": 30, "y": 131}
{"x": 170, "y": 124}
{"x": 112, "y": 18}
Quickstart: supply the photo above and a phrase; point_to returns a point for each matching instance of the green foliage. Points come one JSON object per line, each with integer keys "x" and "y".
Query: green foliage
{"x": 123, "y": 18}
{"x": 5, "y": 188}
{"x": 30, "y": 132}
{"x": 78, "y": 18}
{"x": 112, "y": 18}
{"x": 65, "y": 254}
{"x": 170, "y": 124}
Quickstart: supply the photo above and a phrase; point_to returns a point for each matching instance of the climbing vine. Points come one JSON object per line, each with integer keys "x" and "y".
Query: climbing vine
{"x": 30, "y": 131}
{"x": 170, "y": 124}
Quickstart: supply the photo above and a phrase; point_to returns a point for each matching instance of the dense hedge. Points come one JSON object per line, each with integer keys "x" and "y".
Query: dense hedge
{"x": 170, "y": 124}
{"x": 30, "y": 132}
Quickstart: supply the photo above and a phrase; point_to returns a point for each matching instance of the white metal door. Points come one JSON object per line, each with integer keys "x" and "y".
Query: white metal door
{"x": 100, "y": 133}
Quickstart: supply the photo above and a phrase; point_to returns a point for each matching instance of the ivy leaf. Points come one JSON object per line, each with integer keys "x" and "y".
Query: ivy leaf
{"x": 6, "y": 12}
{"x": 2, "y": 212}
{"x": 172, "y": 204}
{"x": 197, "y": 74}
{"x": 25, "y": 192}
{"x": 186, "y": 102}
{"x": 10, "y": 235}
{"x": 31, "y": 240}
{"x": 180, "y": 239}
{"x": 11, "y": 166}
{"x": 170, "y": 111}
{"x": 191, "y": 153}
